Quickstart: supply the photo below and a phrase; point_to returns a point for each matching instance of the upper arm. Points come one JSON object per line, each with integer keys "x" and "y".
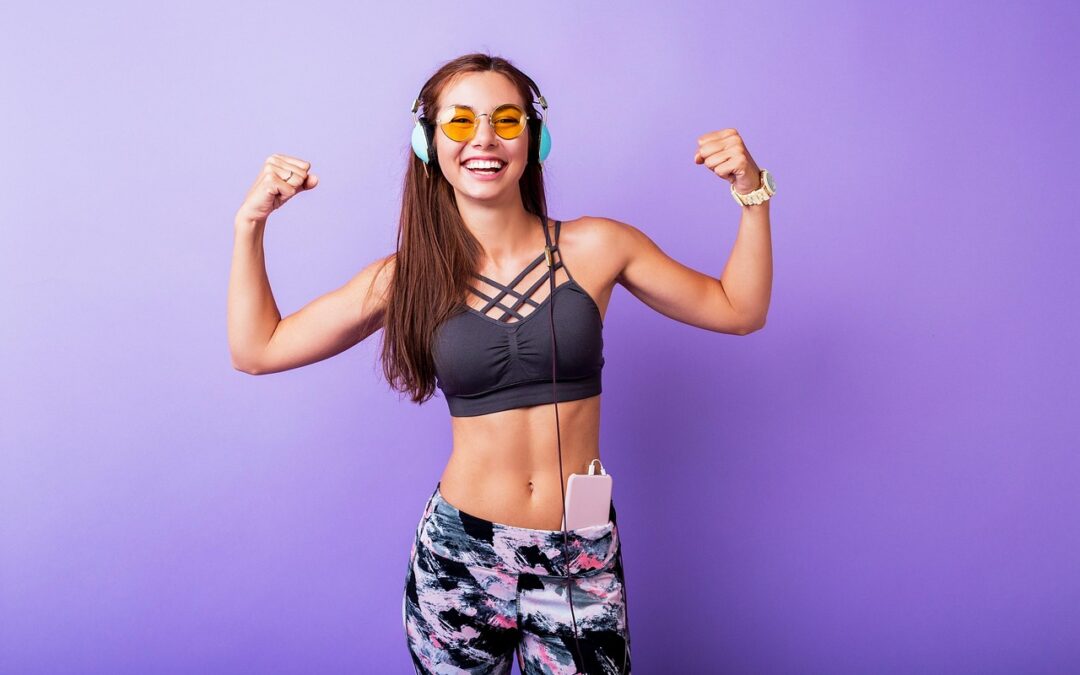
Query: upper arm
{"x": 668, "y": 286}
{"x": 331, "y": 323}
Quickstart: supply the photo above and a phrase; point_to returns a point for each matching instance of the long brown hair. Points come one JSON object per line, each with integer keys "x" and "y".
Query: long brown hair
{"x": 436, "y": 253}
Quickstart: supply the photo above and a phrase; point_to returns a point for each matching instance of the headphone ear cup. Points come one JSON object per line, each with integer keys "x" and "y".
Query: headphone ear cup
{"x": 423, "y": 141}
{"x": 540, "y": 140}
{"x": 545, "y": 143}
{"x": 419, "y": 143}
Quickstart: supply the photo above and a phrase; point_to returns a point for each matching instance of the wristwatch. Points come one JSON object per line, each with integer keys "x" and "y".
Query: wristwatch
{"x": 762, "y": 194}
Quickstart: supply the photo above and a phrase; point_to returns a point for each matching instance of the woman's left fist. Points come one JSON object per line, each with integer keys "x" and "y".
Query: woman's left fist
{"x": 724, "y": 152}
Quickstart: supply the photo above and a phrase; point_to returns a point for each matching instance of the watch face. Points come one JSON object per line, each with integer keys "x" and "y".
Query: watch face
{"x": 770, "y": 182}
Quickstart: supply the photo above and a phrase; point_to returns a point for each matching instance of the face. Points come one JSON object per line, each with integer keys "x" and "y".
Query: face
{"x": 483, "y": 92}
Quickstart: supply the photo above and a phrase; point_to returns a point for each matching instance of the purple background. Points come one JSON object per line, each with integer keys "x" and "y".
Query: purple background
{"x": 884, "y": 479}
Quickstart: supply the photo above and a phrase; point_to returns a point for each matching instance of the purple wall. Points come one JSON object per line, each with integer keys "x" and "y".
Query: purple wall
{"x": 885, "y": 479}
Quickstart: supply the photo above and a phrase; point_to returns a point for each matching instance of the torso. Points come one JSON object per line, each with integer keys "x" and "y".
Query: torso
{"x": 504, "y": 466}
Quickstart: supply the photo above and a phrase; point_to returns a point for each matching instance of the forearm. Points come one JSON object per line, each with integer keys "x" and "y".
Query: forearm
{"x": 747, "y": 276}
{"x": 252, "y": 312}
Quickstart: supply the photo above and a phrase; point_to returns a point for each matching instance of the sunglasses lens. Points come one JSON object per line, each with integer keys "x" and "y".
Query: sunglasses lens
{"x": 459, "y": 123}
{"x": 509, "y": 121}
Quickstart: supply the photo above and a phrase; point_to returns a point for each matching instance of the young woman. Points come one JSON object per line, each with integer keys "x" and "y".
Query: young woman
{"x": 457, "y": 302}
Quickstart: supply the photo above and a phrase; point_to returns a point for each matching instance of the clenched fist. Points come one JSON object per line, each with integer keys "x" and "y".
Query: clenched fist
{"x": 725, "y": 154}
{"x": 281, "y": 177}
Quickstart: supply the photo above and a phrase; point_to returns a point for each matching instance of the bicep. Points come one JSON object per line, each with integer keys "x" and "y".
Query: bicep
{"x": 670, "y": 287}
{"x": 331, "y": 323}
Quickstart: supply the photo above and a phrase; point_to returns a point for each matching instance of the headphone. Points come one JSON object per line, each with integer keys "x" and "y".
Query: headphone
{"x": 423, "y": 145}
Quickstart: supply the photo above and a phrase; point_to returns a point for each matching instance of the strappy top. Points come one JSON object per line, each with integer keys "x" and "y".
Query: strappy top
{"x": 485, "y": 364}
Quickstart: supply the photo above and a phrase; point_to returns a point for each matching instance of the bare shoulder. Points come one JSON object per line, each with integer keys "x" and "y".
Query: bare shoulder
{"x": 591, "y": 236}
{"x": 603, "y": 242}
{"x": 591, "y": 249}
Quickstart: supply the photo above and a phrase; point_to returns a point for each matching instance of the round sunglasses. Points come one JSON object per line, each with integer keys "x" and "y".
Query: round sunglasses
{"x": 460, "y": 122}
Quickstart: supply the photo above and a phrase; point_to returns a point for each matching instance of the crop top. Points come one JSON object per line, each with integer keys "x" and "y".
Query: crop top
{"x": 484, "y": 364}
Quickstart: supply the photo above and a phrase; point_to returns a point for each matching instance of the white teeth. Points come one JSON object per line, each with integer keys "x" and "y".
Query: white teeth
{"x": 483, "y": 164}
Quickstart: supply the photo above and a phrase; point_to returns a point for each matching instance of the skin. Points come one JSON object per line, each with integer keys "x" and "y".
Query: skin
{"x": 504, "y": 466}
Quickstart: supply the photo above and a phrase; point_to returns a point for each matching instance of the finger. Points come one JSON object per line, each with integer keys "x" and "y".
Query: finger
{"x": 717, "y": 158}
{"x": 283, "y": 187}
{"x": 290, "y": 173}
{"x": 294, "y": 161}
{"x": 715, "y": 135}
{"x": 710, "y": 149}
{"x": 725, "y": 144}
{"x": 726, "y": 169}
{"x": 275, "y": 176}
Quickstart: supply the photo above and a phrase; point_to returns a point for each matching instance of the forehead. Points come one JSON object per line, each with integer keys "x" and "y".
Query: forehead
{"x": 482, "y": 91}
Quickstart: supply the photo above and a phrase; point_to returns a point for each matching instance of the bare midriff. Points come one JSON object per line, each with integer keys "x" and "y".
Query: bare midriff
{"x": 504, "y": 466}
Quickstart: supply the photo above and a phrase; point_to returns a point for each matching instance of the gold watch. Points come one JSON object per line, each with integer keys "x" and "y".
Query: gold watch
{"x": 762, "y": 194}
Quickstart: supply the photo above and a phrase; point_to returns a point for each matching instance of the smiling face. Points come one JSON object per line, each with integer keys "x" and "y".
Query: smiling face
{"x": 483, "y": 92}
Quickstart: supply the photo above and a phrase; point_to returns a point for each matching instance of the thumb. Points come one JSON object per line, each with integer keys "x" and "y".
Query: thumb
{"x": 312, "y": 181}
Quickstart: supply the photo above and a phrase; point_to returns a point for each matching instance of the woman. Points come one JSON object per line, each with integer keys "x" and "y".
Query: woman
{"x": 456, "y": 302}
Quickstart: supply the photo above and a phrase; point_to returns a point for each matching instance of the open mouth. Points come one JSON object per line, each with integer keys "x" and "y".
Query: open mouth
{"x": 486, "y": 170}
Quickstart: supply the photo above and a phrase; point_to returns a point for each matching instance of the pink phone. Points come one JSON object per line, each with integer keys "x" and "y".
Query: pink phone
{"x": 588, "y": 499}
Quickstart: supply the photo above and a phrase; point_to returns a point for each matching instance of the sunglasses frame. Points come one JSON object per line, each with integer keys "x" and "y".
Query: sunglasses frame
{"x": 476, "y": 121}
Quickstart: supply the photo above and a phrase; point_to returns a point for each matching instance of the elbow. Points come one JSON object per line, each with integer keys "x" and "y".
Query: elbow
{"x": 243, "y": 369}
{"x": 245, "y": 366}
{"x": 752, "y": 327}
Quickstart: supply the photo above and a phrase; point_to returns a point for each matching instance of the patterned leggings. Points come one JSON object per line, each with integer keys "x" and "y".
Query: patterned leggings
{"x": 477, "y": 590}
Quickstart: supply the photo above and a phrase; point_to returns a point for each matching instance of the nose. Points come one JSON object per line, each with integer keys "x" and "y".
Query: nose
{"x": 485, "y": 134}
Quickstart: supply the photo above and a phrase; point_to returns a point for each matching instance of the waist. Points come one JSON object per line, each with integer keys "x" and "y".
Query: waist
{"x": 457, "y": 534}
{"x": 528, "y": 498}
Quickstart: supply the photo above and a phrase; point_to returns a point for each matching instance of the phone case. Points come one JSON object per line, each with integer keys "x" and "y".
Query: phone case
{"x": 588, "y": 499}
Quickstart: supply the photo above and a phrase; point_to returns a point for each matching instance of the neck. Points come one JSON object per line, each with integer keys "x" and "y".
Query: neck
{"x": 505, "y": 230}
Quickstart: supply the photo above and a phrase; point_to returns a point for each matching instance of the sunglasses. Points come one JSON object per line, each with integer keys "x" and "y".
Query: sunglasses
{"x": 459, "y": 122}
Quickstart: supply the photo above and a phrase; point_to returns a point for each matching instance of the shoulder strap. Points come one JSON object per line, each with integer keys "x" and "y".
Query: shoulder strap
{"x": 547, "y": 235}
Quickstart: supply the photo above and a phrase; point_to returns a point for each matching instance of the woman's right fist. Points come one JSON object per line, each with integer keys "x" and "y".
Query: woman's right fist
{"x": 281, "y": 178}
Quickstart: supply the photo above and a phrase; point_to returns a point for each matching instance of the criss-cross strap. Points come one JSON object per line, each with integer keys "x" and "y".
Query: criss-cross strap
{"x": 525, "y": 296}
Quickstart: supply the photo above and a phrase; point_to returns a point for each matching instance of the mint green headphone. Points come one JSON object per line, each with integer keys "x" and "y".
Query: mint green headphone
{"x": 423, "y": 135}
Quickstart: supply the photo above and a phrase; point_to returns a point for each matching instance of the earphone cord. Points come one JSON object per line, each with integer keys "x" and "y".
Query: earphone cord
{"x": 549, "y": 253}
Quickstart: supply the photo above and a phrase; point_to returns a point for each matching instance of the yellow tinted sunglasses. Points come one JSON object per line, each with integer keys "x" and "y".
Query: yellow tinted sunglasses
{"x": 459, "y": 122}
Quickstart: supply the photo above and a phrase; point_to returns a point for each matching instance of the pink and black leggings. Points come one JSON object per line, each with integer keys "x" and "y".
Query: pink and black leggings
{"x": 477, "y": 590}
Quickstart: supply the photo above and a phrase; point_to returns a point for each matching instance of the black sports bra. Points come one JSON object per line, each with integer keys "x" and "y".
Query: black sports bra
{"x": 484, "y": 364}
